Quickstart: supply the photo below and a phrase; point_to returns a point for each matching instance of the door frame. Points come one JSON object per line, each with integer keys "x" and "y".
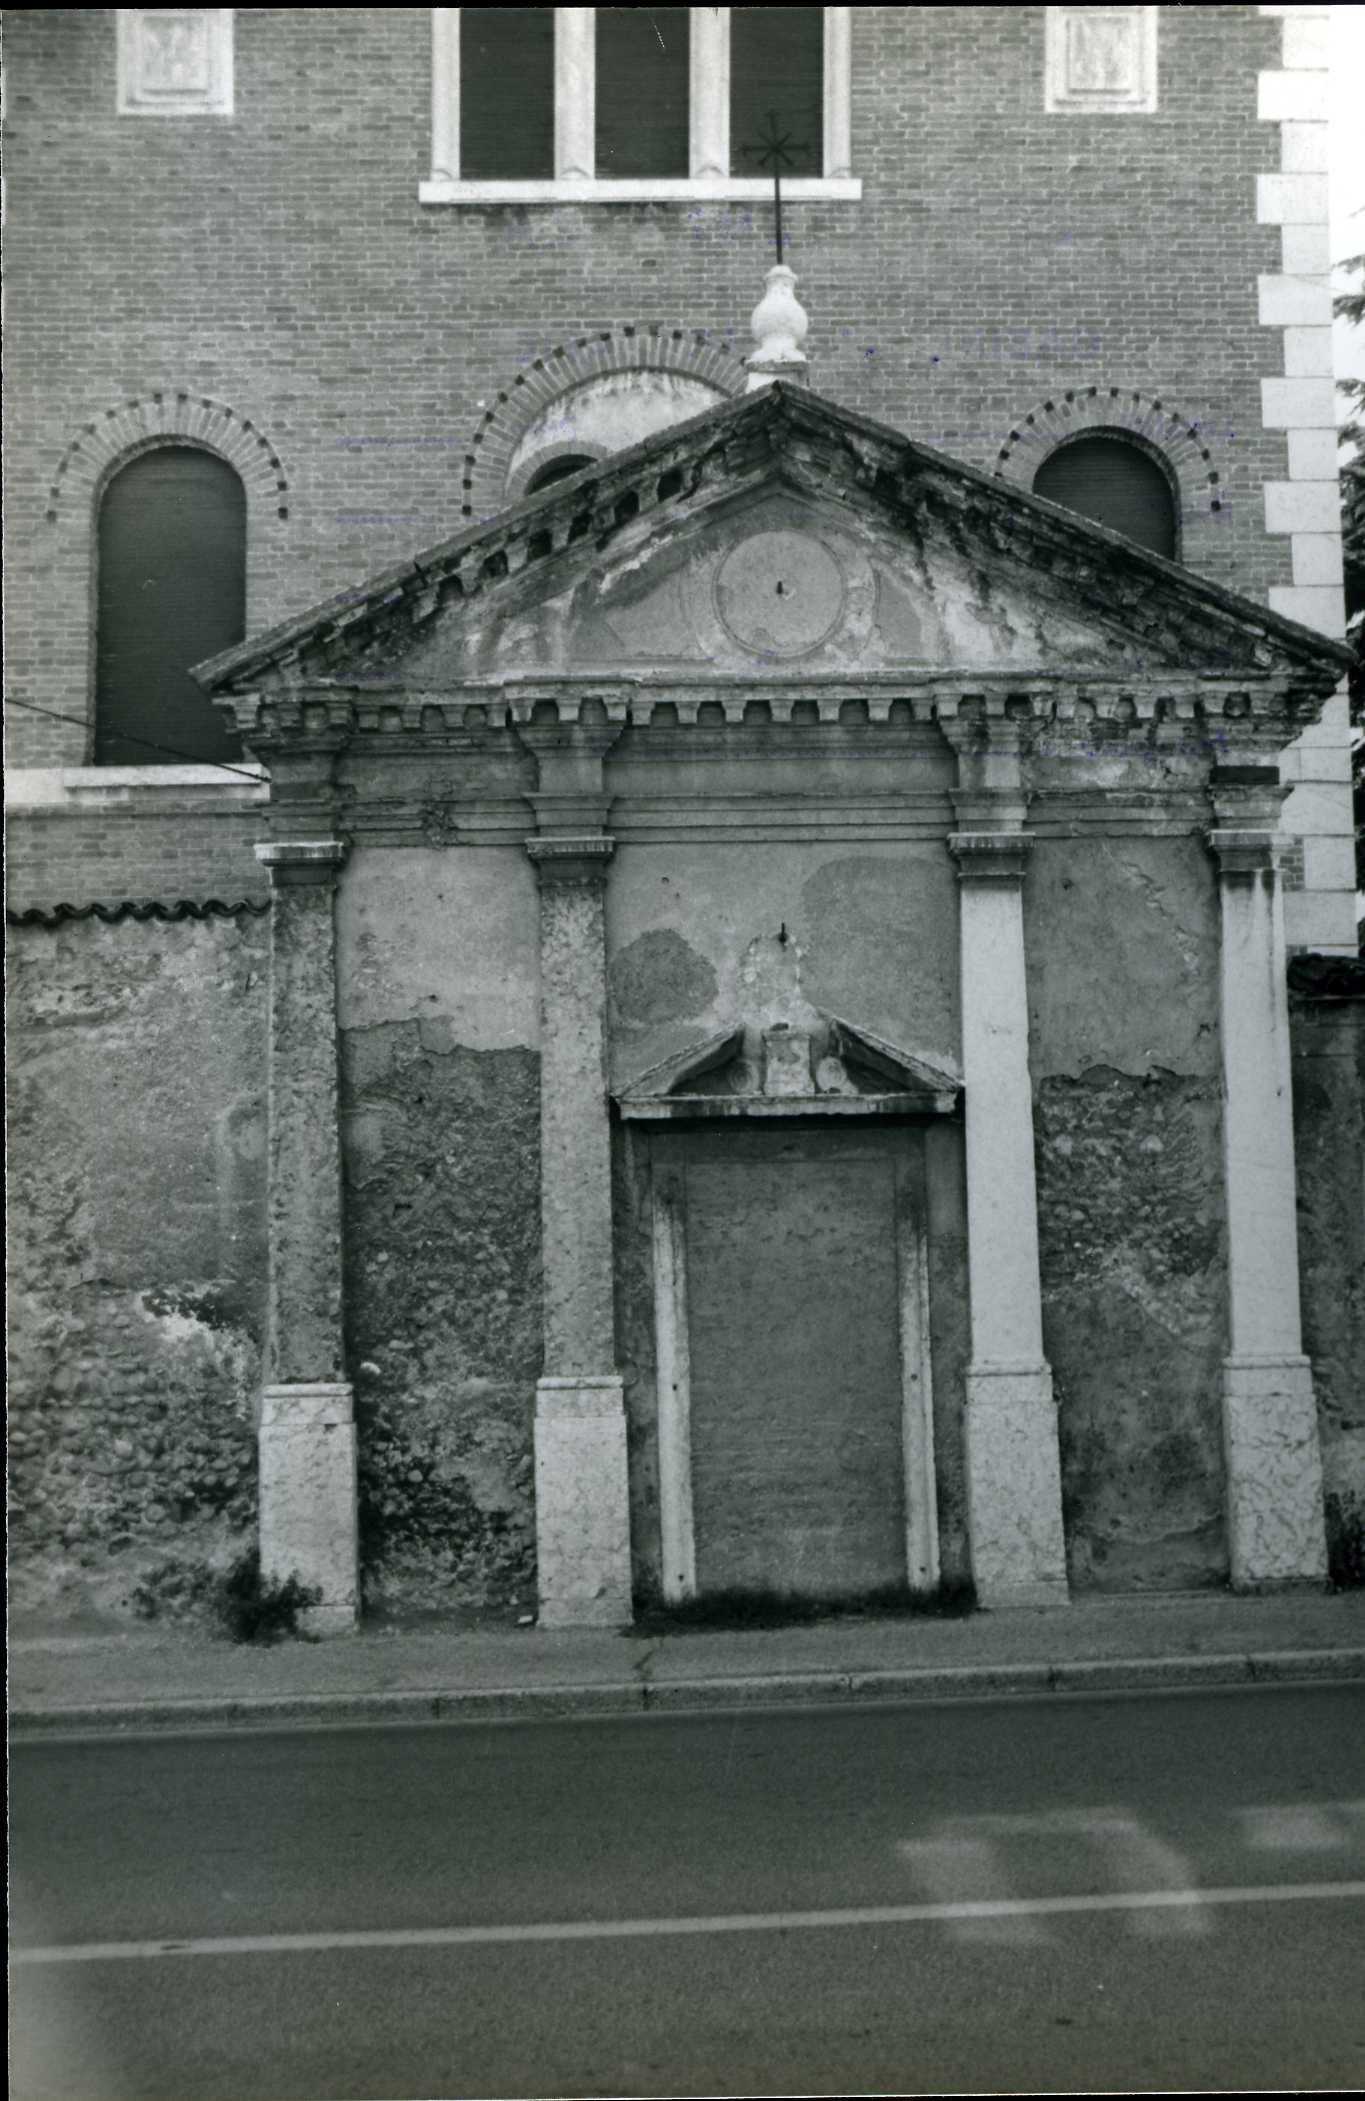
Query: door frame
{"x": 673, "y": 1368}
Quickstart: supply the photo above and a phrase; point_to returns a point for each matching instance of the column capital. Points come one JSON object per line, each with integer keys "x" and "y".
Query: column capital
{"x": 1243, "y": 854}
{"x": 989, "y": 750}
{"x": 571, "y": 857}
{"x": 571, "y": 797}
{"x": 293, "y": 862}
{"x": 990, "y": 857}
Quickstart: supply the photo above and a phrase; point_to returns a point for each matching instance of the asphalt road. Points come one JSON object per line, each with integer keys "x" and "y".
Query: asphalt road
{"x": 1069, "y": 1894}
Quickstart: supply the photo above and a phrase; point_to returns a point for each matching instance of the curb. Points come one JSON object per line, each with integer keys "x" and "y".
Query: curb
{"x": 693, "y": 1695}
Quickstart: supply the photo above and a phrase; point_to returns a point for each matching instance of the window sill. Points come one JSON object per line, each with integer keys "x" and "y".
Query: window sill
{"x": 646, "y": 189}
{"x": 96, "y": 787}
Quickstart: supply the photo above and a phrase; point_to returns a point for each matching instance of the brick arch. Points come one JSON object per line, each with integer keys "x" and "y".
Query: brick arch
{"x": 1181, "y": 443}
{"x": 691, "y": 353}
{"x": 168, "y": 416}
{"x": 93, "y": 455}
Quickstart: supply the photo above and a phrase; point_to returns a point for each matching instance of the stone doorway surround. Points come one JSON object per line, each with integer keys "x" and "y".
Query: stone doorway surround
{"x": 761, "y": 1078}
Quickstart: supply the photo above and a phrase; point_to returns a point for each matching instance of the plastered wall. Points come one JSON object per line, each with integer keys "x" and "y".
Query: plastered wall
{"x": 137, "y": 1259}
{"x": 1122, "y": 939}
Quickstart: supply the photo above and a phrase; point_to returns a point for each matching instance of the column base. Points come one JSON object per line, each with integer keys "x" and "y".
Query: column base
{"x": 1276, "y": 1530}
{"x": 582, "y": 1503}
{"x": 1014, "y": 1487}
{"x": 308, "y": 1499}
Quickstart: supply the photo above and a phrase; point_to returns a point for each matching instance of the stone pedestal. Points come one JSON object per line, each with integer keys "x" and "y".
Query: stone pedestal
{"x": 582, "y": 1485}
{"x": 307, "y": 1434}
{"x": 1014, "y": 1496}
{"x": 308, "y": 1497}
{"x": 582, "y": 1510}
{"x": 1276, "y": 1531}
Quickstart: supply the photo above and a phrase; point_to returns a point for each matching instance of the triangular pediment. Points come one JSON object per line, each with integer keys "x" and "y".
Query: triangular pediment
{"x": 825, "y": 1067}
{"x": 774, "y": 539}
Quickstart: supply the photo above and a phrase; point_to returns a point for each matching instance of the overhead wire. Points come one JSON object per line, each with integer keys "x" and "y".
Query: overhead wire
{"x": 148, "y": 743}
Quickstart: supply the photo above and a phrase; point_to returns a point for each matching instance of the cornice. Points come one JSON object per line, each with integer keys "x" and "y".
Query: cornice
{"x": 1245, "y": 711}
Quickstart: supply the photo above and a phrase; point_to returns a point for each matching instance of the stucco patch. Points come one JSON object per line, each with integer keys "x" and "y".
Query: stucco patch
{"x": 423, "y": 934}
{"x": 880, "y": 937}
{"x": 1122, "y": 938}
{"x": 660, "y": 978}
{"x": 442, "y": 1162}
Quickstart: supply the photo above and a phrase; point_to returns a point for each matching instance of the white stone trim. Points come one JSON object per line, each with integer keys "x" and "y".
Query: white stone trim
{"x": 445, "y": 94}
{"x": 1065, "y": 94}
{"x": 575, "y": 180}
{"x": 86, "y": 787}
{"x": 708, "y": 114}
{"x": 673, "y": 1389}
{"x": 645, "y": 189}
{"x": 575, "y": 94}
{"x": 142, "y": 94}
{"x": 1298, "y": 398}
{"x": 917, "y": 1396}
{"x": 839, "y": 95}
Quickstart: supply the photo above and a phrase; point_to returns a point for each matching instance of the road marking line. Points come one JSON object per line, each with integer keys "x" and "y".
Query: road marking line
{"x": 724, "y": 1922}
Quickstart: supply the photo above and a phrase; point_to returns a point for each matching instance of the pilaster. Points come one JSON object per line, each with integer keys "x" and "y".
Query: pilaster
{"x": 1270, "y": 1428}
{"x": 582, "y": 1485}
{"x": 307, "y": 1430}
{"x": 1014, "y": 1493}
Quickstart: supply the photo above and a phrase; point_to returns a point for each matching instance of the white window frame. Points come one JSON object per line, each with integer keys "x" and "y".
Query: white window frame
{"x": 575, "y": 179}
{"x": 1062, "y": 99}
{"x": 137, "y": 98}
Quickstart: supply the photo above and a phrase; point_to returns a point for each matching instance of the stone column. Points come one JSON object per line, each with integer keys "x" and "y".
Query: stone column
{"x": 1270, "y": 1424}
{"x": 582, "y": 1490}
{"x": 1014, "y": 1492}
{"x": 307, "y": 1429}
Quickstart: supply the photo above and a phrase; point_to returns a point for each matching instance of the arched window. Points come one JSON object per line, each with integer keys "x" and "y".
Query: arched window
{"x": 1117, "y": 483}
{"x": 172, "y": 591}
{"x": 558, "y": 470}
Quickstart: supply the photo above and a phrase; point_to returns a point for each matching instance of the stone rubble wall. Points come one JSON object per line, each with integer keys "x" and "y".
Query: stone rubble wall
{"x": 1327, "y": 1031}
{"x": 137, "y": 1258}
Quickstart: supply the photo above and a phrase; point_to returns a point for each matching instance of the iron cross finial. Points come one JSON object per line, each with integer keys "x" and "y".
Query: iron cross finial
{"x": 776, "y": 150}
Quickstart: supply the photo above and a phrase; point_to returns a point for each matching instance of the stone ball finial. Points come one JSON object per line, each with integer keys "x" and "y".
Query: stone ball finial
{"x": 779, "y": 323}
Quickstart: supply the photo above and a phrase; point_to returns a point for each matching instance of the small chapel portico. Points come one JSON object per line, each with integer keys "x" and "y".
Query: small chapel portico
{"x": 767, "y": 783}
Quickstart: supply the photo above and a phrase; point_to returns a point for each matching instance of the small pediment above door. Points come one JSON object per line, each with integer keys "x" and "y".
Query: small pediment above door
{"x": 830, "y": 1069}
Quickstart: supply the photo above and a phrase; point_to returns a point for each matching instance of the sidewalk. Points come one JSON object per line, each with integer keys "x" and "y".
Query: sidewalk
{"x": 157, "y": 1680}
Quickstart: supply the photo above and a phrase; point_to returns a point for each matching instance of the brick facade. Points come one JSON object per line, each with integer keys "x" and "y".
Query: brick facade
{"x": 278, "y": 264}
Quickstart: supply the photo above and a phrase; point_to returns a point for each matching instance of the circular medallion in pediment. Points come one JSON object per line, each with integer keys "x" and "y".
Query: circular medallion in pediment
{"x": 780, "y": 594}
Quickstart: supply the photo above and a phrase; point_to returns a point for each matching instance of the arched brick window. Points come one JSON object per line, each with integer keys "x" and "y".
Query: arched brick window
{"x": 172, "y": 591}
{"x": 558, "y": 470}
{"x": 1106, "y": 476}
